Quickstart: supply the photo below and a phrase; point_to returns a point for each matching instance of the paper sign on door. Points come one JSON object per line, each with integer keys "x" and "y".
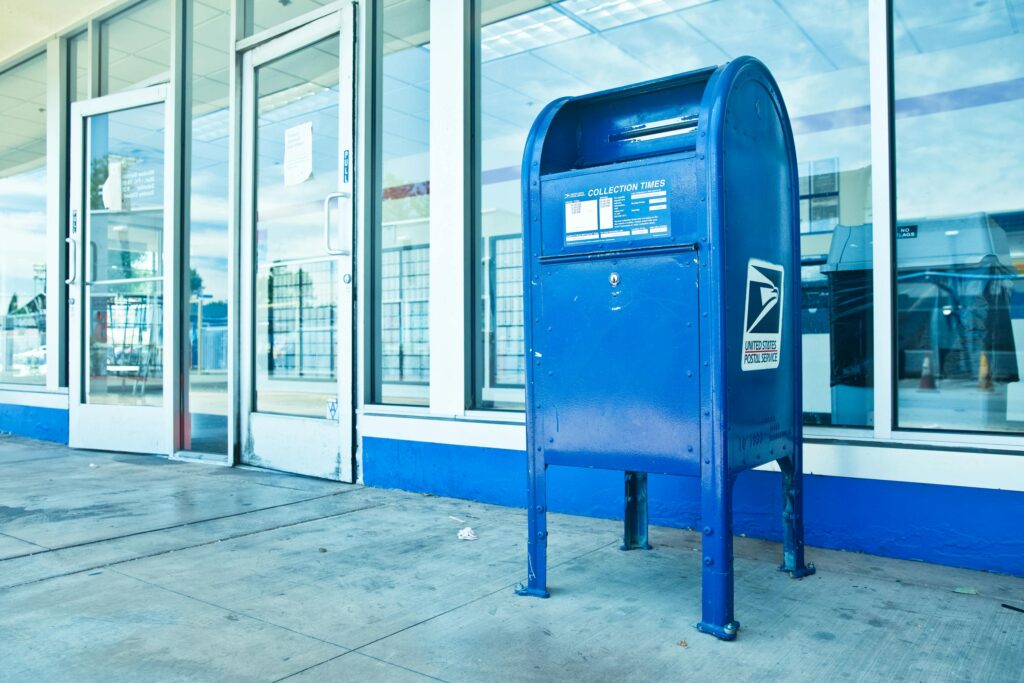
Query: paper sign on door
{"x": 298, "y": 153}
{"x": 112, "y": 190}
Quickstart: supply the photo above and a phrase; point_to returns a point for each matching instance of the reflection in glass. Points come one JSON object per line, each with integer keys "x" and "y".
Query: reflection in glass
{"x": 402, "y": 360}
{"x": 817, "y": 52}
{"x": 296, "y": 282}
{"x": 507, "y": 365}
{"x": 135, "y": 47}
{"x": 125, "y": 343}
{"x": 23, "y": 223}
{"x": 264, "y": 14}
{"x": 206, "y": 337}
{"x": 404, "y": 334}
{"x": 124, "y": 231}
{"x": 960, "y": 215}
{"x": 78, "y": 67}
{"x": 296, "y": 329}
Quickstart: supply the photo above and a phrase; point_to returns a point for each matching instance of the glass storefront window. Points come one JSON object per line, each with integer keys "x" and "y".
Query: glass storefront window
{"x": 534, "y": 52}
{"x": 78, "y": 67}
{"x": 23, "y": 353}
{"x": 206, "y": 339}
{"x": 263, "y": 14}
{"x": 959, "y": 127}
{"x": 135, "y": 47}
{"x": 401, "y": 341}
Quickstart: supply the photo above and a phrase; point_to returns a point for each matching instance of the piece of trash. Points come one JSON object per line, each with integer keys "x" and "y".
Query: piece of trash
{"x": 1015, "y": 609}
{"x": 682, "y": 643}
{"x": 965, "y": 590}
{"x": 467, "y": 534}
{"x": 456, "y": 519}
{"x": 323, "y": 550}
{"x": 93, "y": 465}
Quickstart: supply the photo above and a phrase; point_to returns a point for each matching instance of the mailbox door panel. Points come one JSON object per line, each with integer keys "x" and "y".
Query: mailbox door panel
{"x": 615, "y": 364}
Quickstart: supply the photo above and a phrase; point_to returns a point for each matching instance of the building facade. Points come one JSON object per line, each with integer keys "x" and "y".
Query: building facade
{"x": 288, "y": 235}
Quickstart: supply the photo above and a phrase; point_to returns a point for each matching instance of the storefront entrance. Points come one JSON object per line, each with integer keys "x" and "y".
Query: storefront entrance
{"x": 121, "y": 264}
{"x": 297, "y": 250}
{"x": 130, "y": 349}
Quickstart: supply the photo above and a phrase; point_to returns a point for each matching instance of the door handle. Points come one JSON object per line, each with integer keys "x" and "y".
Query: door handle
{"x": 72, "y": 260}
{"x": 346, "y": 221}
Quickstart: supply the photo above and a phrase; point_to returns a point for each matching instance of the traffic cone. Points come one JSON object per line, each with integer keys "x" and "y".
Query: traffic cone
{"x": 984, "y": 373}
{"x": 927, "y": 378}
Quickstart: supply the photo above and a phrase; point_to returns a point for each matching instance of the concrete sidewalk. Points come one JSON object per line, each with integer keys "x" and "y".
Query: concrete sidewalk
{"x": 118, "y": 567}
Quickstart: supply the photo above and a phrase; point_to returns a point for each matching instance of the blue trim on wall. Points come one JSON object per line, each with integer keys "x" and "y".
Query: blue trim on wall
{"x": 950, "y": 525}
{"x": 47, "y": 424}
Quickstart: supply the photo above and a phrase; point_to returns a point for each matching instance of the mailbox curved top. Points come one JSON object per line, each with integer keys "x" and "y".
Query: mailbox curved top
{"x": 687, "y": 111}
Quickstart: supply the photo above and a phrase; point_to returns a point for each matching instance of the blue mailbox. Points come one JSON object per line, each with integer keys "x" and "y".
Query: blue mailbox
{"x": 662, "y": 303}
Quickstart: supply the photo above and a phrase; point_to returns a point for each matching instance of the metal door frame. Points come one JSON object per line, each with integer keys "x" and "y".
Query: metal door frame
{"x": 149, "y": 429}
{"x": 275, "y": 432}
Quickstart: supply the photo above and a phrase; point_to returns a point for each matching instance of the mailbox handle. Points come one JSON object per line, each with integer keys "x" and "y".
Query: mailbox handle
{"x": 658, "y": 117}
{"x": 642, "y": 132}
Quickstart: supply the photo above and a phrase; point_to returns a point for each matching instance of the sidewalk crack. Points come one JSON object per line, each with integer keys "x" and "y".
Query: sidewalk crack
{"x": 175, "y": 526}
{"x": 110, "y": 565}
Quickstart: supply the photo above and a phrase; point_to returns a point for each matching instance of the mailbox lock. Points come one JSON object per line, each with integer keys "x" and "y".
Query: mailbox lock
{"x": 613, "y": 279}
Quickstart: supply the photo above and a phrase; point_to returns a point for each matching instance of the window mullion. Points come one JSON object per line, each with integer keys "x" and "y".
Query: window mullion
{"x": 451, "y": 206}
{"x": 56, "y": 211}
{"x": 882, "y": 186}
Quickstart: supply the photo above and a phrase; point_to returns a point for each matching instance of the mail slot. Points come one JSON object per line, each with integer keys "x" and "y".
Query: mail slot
{"x": 662, "y": 284}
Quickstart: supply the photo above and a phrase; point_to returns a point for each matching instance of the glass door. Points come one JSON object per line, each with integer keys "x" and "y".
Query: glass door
{"x": 297, "y": 245}
{"x": 122, "y": 262}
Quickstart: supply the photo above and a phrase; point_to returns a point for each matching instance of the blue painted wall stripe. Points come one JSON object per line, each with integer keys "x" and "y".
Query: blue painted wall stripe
{"x": 950, "y": 525}
{"x": 47, "y": 424}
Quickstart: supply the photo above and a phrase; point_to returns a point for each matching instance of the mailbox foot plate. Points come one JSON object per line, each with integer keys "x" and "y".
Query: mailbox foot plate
{"x": 726, "y": 632}
{"x": 629, "y": 546}
{"x": 799, "y": 572}
{"x": 526, "y": 591}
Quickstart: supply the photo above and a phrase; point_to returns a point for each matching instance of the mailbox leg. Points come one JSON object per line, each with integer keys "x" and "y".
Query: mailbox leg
{"x": 537, "y": 524}
{"x": 634, "y": 535}
{"x": 716, "y": 555}
{"x": 793, "y": 519}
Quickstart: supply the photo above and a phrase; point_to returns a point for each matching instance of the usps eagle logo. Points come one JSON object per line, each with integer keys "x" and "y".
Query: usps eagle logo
{"x": 762, "y": 316}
